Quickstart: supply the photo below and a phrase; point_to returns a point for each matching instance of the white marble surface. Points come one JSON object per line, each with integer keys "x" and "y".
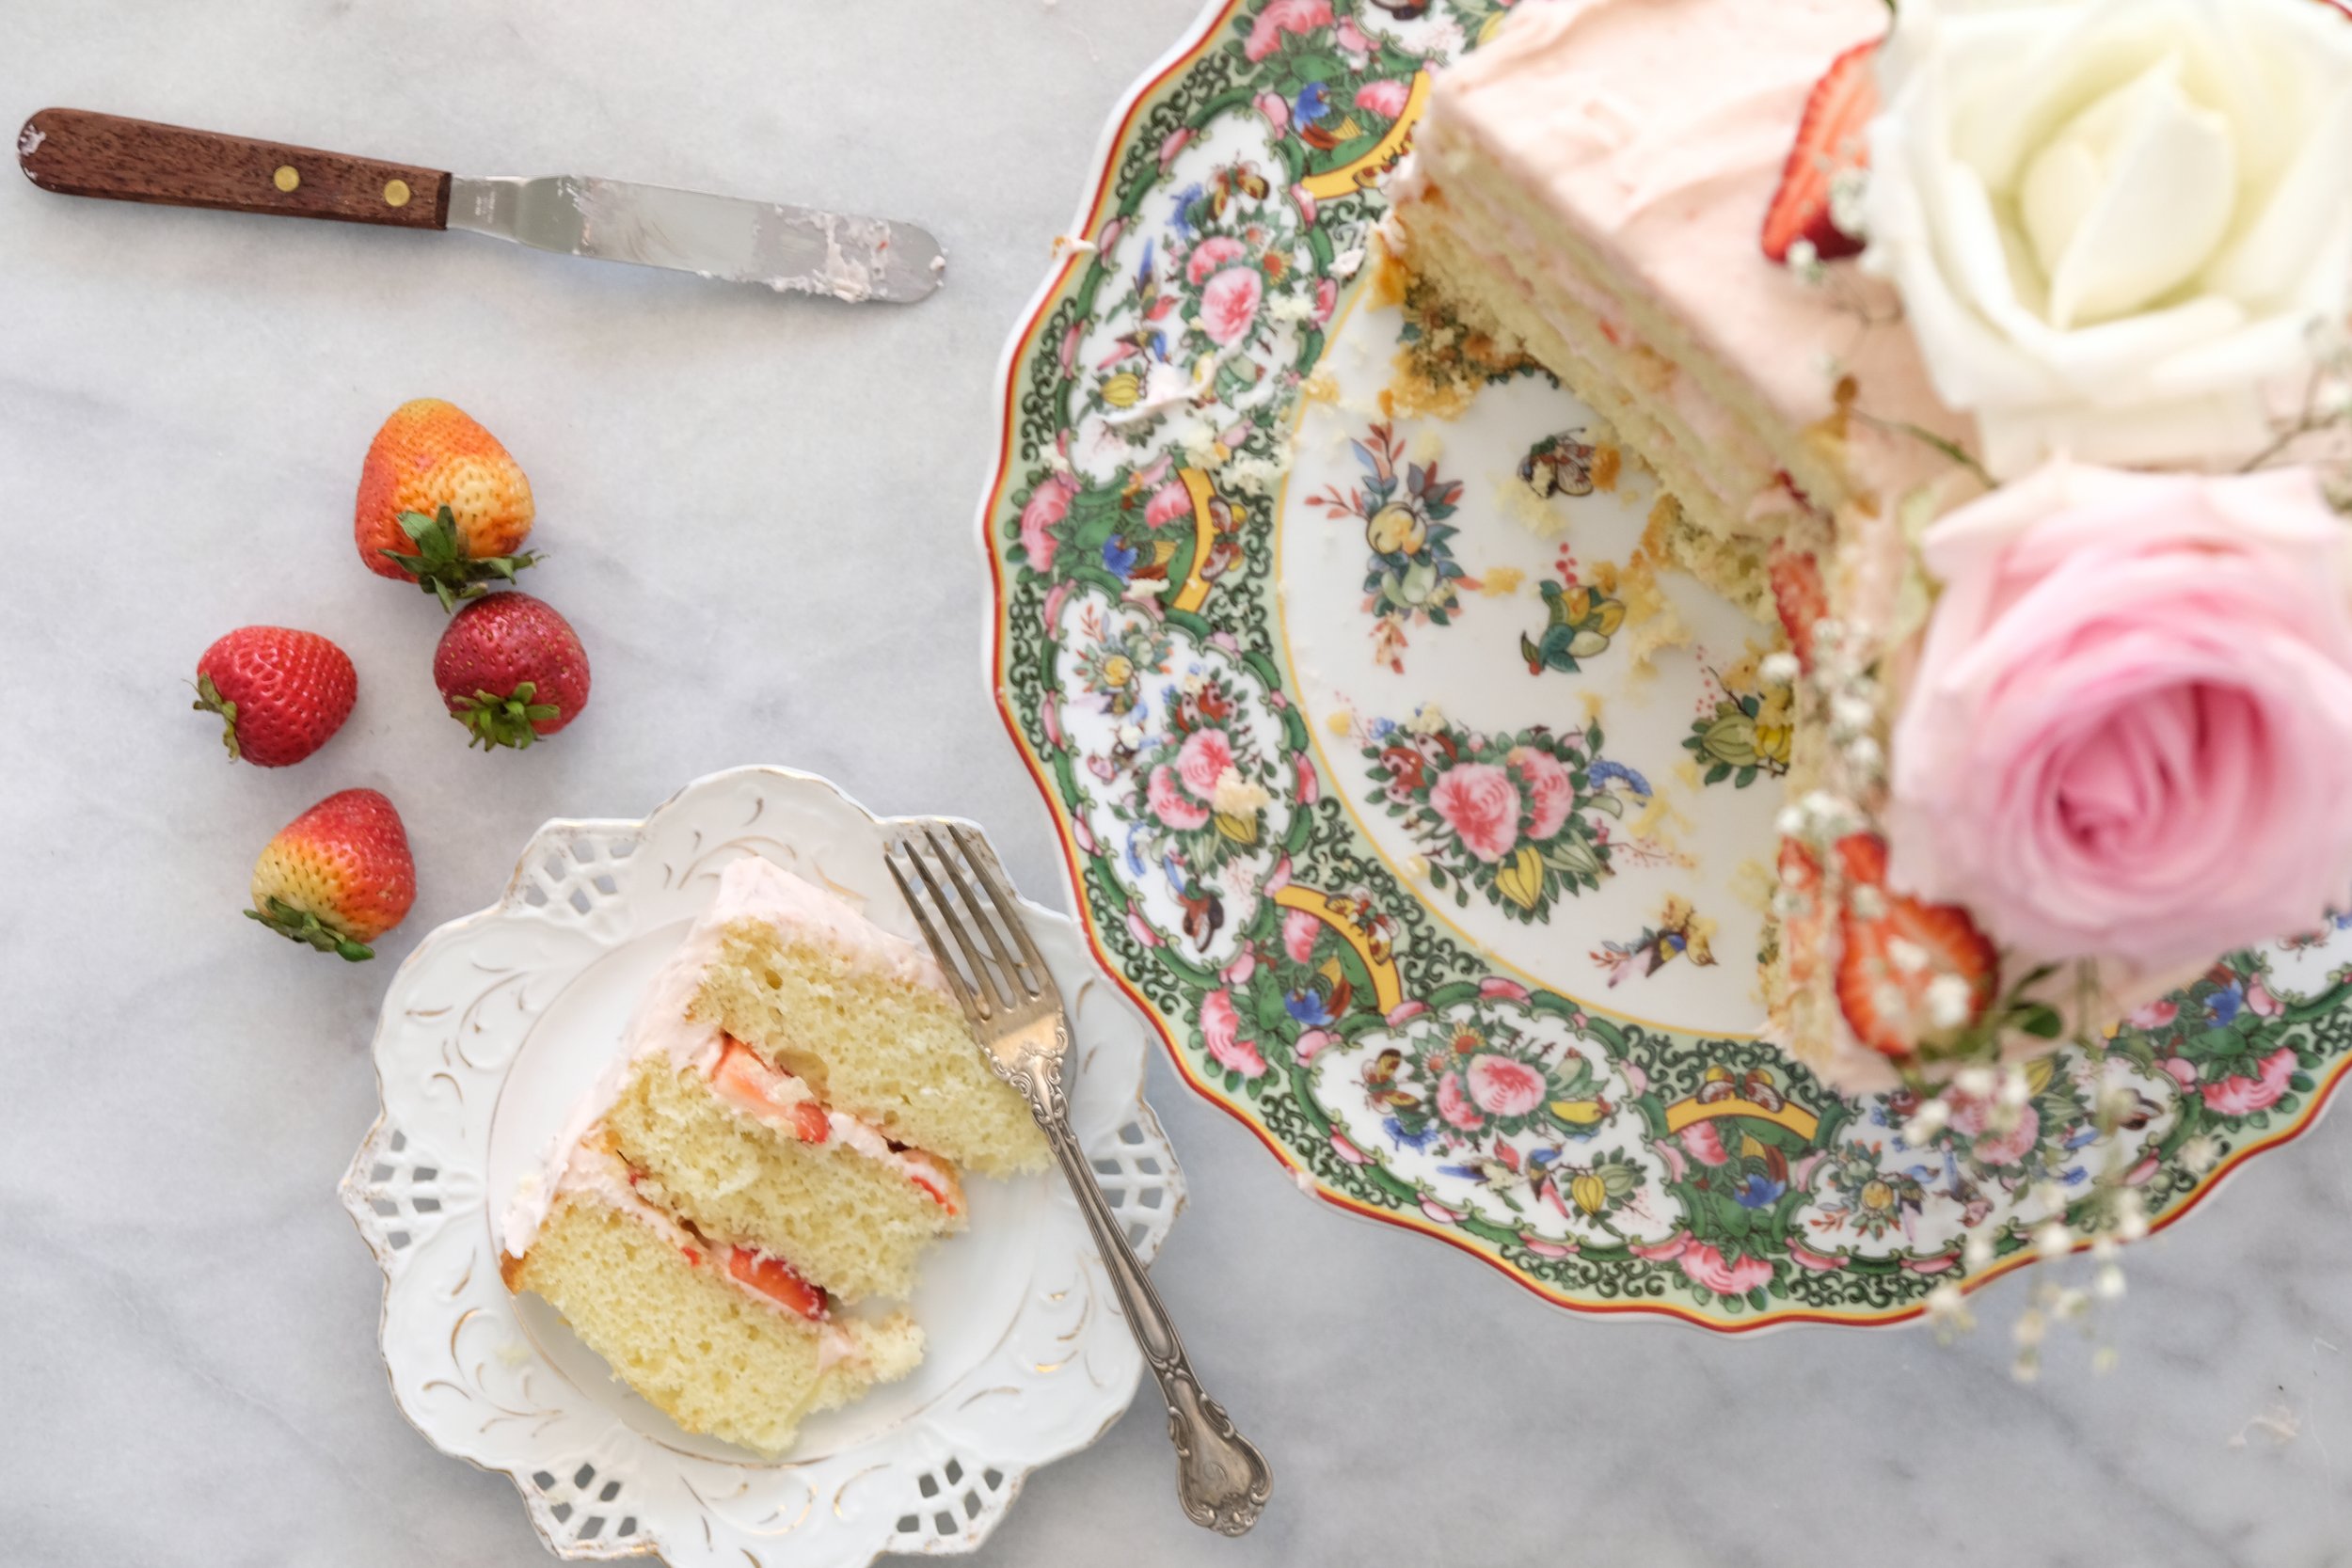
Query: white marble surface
{"x": 760, "y": 513}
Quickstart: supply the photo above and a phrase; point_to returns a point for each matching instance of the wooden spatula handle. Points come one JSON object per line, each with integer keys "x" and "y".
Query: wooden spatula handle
{"x": 76, "y": 153}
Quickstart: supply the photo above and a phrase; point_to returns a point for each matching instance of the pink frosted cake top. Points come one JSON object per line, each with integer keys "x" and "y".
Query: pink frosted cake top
{"x": 1656, "y": 130}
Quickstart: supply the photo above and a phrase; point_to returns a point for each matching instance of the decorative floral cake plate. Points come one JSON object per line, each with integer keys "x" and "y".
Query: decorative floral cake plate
{"x": 1428, "y": 827}
{"x": 492, "y": 1029}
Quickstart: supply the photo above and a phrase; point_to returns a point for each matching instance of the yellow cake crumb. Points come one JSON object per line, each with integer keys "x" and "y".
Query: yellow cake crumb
{"x": 1500, "y": 582}
{"x": 1417, "y": 866}
{"x": 1656, "y": 623}
{"x": 1530, "y": 511}
{"x": 1754, "y": 883}
{"x": 1608, "y": 462}
{"x": 1322, "y": 387}
{"x": 1341, "y": 722}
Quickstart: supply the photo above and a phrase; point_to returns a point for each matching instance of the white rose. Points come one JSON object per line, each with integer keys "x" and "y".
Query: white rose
{"x": 2117, "y": 225}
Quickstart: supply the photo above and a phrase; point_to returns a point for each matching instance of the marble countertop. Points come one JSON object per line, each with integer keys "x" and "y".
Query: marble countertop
{"x": 760, "y": 513}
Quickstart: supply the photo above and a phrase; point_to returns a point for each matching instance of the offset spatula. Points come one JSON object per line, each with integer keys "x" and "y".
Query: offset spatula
{"x": 793, "y": 249}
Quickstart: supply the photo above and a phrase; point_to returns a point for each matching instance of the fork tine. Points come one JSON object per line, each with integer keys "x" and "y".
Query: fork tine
{"x": 988, "y": 992}
{"x": 981, "y": 857}
{"x": 978, "y": 908}
{"x": 972, "y": 1009}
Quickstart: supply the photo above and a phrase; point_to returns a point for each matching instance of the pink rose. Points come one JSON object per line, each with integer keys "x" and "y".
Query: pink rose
{"x": 1661, "y": 1252}
{"x": 1309, "y": 786}
{"x": 1439, "y": 1212}
{"x": 2237, "y": 1097}
{"x": 2260, "y": 1002}
{"x": 1706, "y": 1266}
{"x": 1818, "y": 1262}
{"x": 1542, "y": 1248}
{"x": 1141, "y": 931}
{"x": 1327, "y": 299}
{"x": 1284, "y": 16}
{"x": 1177, "y": 141}
{"x": 1304, "y": 199}
{"x": 2180, "y": 1070}
{"x": 2130, "y": 729}
{"x": 1218, "y": 251}
{"x": 1049, "y": 503}
{"x": 1455, "y": 1107}
{"x": 1276, "y": 108}
{"x": 1705, "y": 1144}
{"x": 1404, "y": 1013}
{"x": 1313, "y": 1043}
{"x": 1496, "y": 990}
{"x": 1168, "y": 503}
{"x": 1070, "y": 342}
{"x": 1678, "y": 1168}
{"x": 1220, "y": 1031}
{"x": 1300, "y": 932}
{"x": 1205, "y": 758}
{"x": 1230, "y": 303}
{"x": 2155, "y": 1015}
{"x": 1245, "y": 964}
{"x": 1504, "y": 1087}
{"x": 1385, "y": 99}
{"x": 1049, "y": 716}
{"x": 1481, "y": 804}
{"x": 1346, "y": 1150}
{"x": 1351, "y": 38}
{"x": 1549, "y": 795}
{"x": 1170, "y": 804}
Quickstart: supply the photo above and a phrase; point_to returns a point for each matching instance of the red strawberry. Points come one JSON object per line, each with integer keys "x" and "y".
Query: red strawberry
{"x": 1803, "y": 602}
{"x": 281, "y": 694}
{"x": 1802, "y": 928}
{"x": 511, "y": 670}
{"x": 441, "y": 503}
{"x": 1831, "y": 139}
{"x": 337, "y": 877}
{"x": 776, "y": 1279}
{"x": 1884, "y": 989}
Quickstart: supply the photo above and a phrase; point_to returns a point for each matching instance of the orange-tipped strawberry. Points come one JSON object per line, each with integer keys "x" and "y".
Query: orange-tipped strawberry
{"x": 281, "y": 693}
{"x": 441, "y": 503}
{"x": 337, "y": 877}
{"x": 511, "y": 670}
{"x": 1832, "y": 139}
{"x": 1911, "y": 974}
{"x": 779, "y": 1282}
{"x": 1800, "y": 598}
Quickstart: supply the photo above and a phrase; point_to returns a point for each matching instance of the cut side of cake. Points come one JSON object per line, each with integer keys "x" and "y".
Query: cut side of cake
{"x": 749, "y": 1165}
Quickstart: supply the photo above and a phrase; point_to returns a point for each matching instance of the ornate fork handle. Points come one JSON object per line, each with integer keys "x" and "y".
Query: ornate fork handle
{"x": 1221, "y": 1479}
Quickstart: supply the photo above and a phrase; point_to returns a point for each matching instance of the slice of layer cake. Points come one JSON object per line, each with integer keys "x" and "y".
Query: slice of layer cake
{"x": 711, "y": 1171}
{"x": 724, "y": 1339}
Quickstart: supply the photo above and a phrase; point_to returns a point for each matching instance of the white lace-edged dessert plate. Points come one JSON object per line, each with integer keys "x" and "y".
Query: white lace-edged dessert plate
{"x": 491, "y": 1029}
{"x": 1433, "y": 832}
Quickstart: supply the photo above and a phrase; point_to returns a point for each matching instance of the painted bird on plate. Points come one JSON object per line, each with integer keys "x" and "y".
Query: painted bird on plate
{"x": 1204, "y": 912}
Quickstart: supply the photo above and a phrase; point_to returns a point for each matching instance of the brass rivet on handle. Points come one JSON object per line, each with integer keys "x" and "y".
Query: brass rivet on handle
{"x": 287, "y": 177}
{"x": 396, "y": 193}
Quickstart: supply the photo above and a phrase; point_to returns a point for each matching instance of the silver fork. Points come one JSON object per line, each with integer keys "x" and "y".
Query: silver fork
{"x": 1016, "y": 1013}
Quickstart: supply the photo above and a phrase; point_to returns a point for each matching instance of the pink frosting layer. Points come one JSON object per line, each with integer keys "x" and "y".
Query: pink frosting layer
{"x": 1656, "y": 130}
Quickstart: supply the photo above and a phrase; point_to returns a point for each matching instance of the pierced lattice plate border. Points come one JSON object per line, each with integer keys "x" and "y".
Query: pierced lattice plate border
{"x": 492, "y": 1025}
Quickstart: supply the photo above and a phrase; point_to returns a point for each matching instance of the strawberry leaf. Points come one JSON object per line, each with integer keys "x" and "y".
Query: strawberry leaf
{"x": 208, "y": 700}
{"x": 303, "y": 927}
{"x": 439, "y": 565}
{"x": 492, "y": 721}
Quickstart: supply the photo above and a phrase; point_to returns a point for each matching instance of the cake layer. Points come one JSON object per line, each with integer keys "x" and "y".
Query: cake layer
{"x": 887, "y": 1046}
{"x": 752, "y": 1155}
{"x": 694, "y": 1332}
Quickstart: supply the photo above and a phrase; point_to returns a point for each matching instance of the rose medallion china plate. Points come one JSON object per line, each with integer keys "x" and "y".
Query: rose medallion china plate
{"x": 490, "y": 1031}
{"x": 1431, "y": 828}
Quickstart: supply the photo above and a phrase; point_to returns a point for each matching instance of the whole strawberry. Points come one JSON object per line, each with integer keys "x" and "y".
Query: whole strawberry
{"x": 337, "y": 877}
{"x": 441, "y": 503}
{"x": 281, "y": 693}
{"x": 511, "y": 670}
